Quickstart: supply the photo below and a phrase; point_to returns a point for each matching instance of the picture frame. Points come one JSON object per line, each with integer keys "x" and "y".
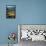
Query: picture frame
{"x": 11, "y": 11}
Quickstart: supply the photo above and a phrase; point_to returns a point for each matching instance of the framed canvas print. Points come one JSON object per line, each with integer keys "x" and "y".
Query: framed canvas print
{"x": 32, "y": 32}
{"x": 10, "y": 11}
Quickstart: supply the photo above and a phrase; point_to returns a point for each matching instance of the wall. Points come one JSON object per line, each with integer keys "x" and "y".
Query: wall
{"x": 31, "y": 11}
{"x": 6, "y": 25}
{"x": 27, "y": 12}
